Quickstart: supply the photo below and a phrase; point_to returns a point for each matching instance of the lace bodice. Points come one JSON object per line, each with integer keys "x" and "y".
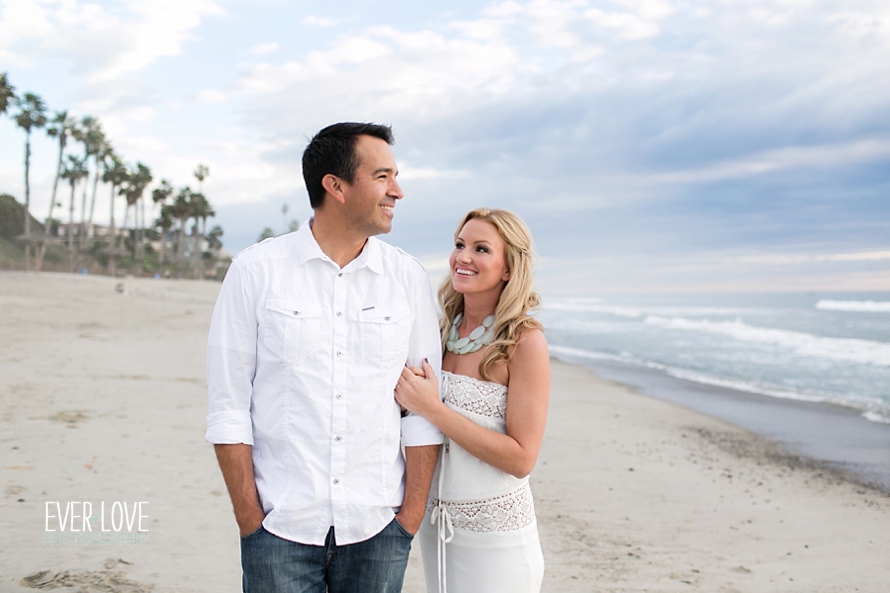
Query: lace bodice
{"x": 478, "y": 397}
{"x": 478, "y": 497}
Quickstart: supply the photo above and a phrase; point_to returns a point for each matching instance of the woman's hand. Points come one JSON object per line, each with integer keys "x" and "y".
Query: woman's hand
{"x": 418, "y": 390}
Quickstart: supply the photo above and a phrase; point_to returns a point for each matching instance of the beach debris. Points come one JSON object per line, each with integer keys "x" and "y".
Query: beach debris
{"x": 70, "y": 417}
{"x": 95, "y": 581}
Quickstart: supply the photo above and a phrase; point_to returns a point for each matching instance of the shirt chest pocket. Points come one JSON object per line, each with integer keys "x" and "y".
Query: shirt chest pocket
{"x": 292, "y": 329}
{"x": 385, "y": 333}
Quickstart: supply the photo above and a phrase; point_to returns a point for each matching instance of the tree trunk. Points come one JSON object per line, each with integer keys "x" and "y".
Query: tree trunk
{"x": 27, "y": 198}
{"x": 83, "y": 207}
{"x": 163, "y": 248}
{"x": 71, "y": 228}
{"x": 142, "y": 229}
{"x": 112, "y": 256}
{"x": 93, "y": 201}
{"x": 196, "y": 250}
{"x": 52, "y": 204}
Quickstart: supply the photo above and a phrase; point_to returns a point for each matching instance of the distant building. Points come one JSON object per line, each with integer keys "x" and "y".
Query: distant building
{"x": 98, "y": 230}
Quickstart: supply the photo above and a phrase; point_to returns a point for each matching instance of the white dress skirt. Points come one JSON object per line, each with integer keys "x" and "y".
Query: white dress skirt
{"x": 479, "y": 534}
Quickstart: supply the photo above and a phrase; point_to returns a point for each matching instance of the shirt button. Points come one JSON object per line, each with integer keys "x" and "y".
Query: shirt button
{"x": 338, "y": 438}
{"x": 340, "y": 275}
{"x": 339, "y": 313}
{"x": 336, "y": 480}
{"x": 339, "y": 396}
{"x": 339, "y": 353}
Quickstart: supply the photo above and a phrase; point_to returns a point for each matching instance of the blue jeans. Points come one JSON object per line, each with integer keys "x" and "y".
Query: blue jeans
{"x": 271, "y": 564}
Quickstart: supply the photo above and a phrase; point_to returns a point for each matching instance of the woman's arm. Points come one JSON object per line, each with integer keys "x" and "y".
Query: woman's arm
{"x": 527, "y": 398}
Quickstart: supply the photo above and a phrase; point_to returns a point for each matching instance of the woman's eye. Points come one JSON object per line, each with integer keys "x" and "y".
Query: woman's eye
{"x": 482, "y": 249}
{"x": 458, "y": 245}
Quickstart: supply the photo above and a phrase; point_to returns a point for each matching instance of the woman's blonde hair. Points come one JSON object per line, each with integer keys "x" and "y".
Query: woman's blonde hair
{"x": 518, "y": 297}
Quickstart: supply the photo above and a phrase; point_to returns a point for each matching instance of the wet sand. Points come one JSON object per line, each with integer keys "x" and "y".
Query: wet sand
{"x": 103, "y": 400}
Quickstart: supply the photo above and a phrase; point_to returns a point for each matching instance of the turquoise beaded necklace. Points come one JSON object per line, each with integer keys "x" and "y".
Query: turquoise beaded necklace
{"x": 479, "y": 337}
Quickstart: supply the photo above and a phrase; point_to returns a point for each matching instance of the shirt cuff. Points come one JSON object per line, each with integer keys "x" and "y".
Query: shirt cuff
{"x": 229, "y": 428}
{"x": 417, "y": 431}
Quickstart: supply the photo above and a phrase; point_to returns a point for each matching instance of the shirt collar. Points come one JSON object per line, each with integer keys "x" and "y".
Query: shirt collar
{"x": 306, "y": 248}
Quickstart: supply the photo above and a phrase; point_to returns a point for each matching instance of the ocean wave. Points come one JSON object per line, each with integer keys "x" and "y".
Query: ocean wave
{"x": 593, "y": 307}
{"x": 871, "y": 410}
{"x": 856, "y": 306}
{"x": 837, "y": 349}
{"x": 578, "y": 352}
{"x": 600, "y": 306}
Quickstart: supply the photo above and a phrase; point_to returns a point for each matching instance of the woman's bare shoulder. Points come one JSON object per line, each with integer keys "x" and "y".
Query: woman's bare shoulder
{"x": 531, "y": 347}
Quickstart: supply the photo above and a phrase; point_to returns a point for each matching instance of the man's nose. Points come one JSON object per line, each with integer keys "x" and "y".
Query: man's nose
{"x": 395, "y": 190}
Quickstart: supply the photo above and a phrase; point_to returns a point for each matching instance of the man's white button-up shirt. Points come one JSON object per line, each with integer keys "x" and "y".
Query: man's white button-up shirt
{"x": 302, "y": 361}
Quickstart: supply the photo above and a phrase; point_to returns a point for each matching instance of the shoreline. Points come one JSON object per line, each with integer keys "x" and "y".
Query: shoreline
{"x": 105, "y": 401}
{"x": 833, "y": 436}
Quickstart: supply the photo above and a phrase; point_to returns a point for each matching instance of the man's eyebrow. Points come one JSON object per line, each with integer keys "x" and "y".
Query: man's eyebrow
{"x": 383, "y": 170}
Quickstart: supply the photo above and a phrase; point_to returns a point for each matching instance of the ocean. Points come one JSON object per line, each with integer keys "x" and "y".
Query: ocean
{"x": 832, "y": 347}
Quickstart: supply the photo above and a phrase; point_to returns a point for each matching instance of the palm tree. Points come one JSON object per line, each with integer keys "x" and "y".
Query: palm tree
{"x": 136, "y": 182}
{"x": 165, "y": 223}
{"x": 59, "y": 127}
{"x": 103, "y": 153}
{"x": 181, "y": 210}
{"x": 7, "y": 93}
{"x": 115, "y": 173}
{"x": 159, "y": 196}
{"x": 32, "y": 114}
{"x": 73, "y": 173}
{"x": 85, "y": 134}
{"x": 200, "y": 209}
{"x": 143, "y": 178}
{"x": 201, "y": 173}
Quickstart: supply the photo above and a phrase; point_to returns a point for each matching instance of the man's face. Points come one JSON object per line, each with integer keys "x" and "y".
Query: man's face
{"x": 371, "y": 198}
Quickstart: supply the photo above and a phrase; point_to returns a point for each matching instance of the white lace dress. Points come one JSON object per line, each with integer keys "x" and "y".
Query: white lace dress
{"x": 479, "y": 534}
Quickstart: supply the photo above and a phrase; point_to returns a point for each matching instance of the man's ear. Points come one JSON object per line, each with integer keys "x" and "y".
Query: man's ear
{"x": 333, "y": 185}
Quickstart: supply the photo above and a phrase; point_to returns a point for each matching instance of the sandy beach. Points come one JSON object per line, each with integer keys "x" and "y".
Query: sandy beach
{"x": 103, "y": 401}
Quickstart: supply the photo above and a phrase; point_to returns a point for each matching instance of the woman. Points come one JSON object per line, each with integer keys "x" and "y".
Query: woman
{"x": 480, "y": 534}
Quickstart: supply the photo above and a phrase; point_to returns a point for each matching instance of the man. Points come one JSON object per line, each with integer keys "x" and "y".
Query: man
{"x": 310, "y": 333}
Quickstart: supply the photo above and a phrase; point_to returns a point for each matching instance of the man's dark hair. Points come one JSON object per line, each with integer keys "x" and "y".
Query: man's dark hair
{"x": 332, "y": 151}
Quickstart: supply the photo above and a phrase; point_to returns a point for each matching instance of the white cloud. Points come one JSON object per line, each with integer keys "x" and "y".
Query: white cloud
{"x": 791, "y": 157}
{"x": 101, "y": 43}
{"x": 411, "y": 173}
{"x": 319, "y": 21}
{"x": 264, "y": 49}
{"x": 400, "y": 74}
{"x": 210, "y": 96}
{"x": 626, "y": 24}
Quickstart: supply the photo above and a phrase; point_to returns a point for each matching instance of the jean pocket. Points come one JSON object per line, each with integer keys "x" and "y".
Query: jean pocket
{"x": 402, "y": 530}
{"x": 253, "y": 533}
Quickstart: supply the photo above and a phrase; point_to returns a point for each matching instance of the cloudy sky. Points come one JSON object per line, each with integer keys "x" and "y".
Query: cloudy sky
{"x": 651, "y": 145}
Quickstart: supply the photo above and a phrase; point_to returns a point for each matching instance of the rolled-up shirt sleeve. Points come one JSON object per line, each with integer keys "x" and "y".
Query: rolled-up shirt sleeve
{"x": 425, "y": 343}
{"x": 231, "y": 361}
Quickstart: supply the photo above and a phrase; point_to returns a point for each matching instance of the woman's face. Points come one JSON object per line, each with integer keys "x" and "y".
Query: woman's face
{"x": 478, "y": 263}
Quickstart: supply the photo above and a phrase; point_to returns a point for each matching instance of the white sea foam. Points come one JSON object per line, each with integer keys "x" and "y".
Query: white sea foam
{"x": 838, "y": 349}
{"x": 579, "y": 353}
{"x": 600, "y": 306}
{"x": 877, "y": 417}
{"x": 592, "y": 306}
{"x": 856, "y": 306}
